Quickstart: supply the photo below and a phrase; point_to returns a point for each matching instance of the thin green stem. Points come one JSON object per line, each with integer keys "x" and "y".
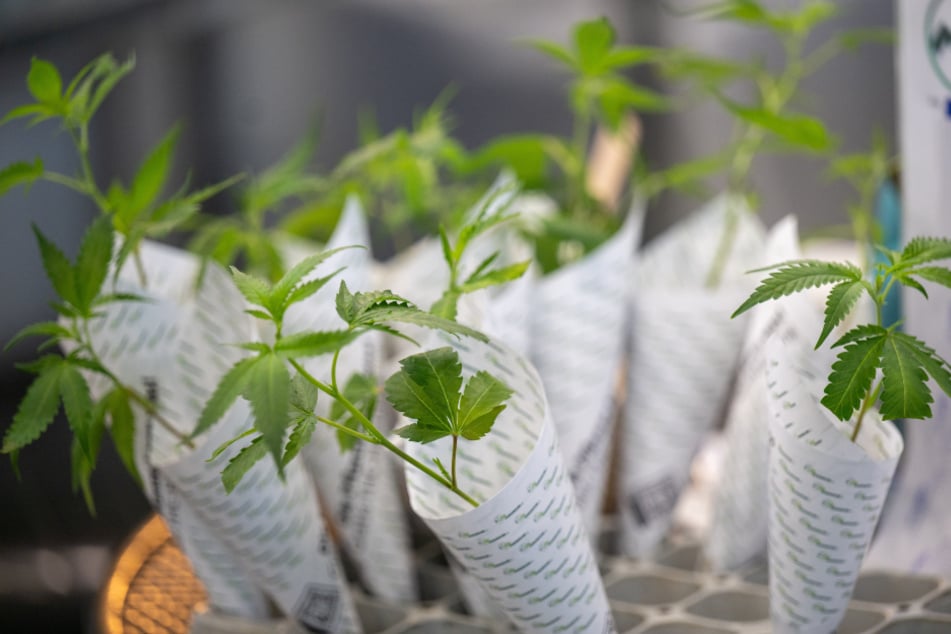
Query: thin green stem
{"x": 347, "y": 430}
{"x": 381, "y": 438}
{"x": 580, "y": 139}
{"x": 333, "y": 369}
{"x": 455, "y": 448}
{"x": 67, "y": 181}
{"x": 870, "y": 399}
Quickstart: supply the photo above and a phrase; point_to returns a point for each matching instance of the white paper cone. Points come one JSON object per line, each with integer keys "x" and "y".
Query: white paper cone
{"x": 825, "y": 495}
{"x": 684, "y": 347}
{"x": 525, "y": 543}
{"x": 357, "y": 487}
{"x": 578, "y": 331}
{"x": 174, "y": 348}
{"x": 738, "y": 531}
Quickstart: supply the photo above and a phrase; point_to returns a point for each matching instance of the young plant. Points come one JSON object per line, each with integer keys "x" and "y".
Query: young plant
{"x": 876, "y": 364}
{"x": 129, "y": 213}
{"x": 769, "y": 124}
{"x": 600, "y": 95}
{"x": 428, "y": 388}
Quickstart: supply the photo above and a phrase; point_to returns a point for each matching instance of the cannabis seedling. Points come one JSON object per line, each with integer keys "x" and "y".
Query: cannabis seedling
{"x": 129, "y": 213}
{"x": 905, "y": 361}
{"x": 600, "y": 95}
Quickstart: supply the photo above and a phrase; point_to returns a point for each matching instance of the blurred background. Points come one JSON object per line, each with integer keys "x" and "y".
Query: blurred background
{"x": 247, "y": 79}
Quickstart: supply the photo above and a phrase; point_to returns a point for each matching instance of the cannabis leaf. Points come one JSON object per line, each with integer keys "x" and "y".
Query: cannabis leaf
{"x": 905, "y": 363}
{"x": 428, "y": 389}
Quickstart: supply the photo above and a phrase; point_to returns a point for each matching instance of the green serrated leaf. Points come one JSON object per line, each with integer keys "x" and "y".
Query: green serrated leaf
{"x": 412, "y": 315}
{"x": 842, "y": 298}
{"x": 800, "y": 130}
{"x": 308, "y": 288}
{"x": 312, "y": 344}
{"x": 426, "y": 389}
{"x": 934, "y": 365}
{"x": 482, "y": 402}
{"x": 45, "y": 328}
{"x": 936, "y": 274}
{"x": 905, "y": 392}
{"x": 241, "y": 463}
{"x": 58, "y": 268}
{"x": 21, "y": 173}
{"x": 922, "y": 250}
{"x": 254, "y": 289}
{"x": 44, "y": 82}
{"x": 77, "y": 403}
{"x": 282, "y": 289}
{"x": 858, "y": 333}
{"x": 852, "y": 375}
{"x": 36, "y": 410}
{"x": 555, "y": 51}
{"x": 232, "y": 385}
{"x": 38, "y": 111}
{"x": 92, "y": 263}
{"x": 152, "y": 175}
{"x": 792, "y": 277}
{"x": 122, "y": 429}
{"x": 223, "y": 447}
{"x": 593, "y": 40}
{"x": 299, "y": 438}
{"x": 496, "y": 277}
{"x": 268, "y": 390}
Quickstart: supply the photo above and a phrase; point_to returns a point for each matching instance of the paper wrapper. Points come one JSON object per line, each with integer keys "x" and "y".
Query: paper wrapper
{"x": 825, "y": 495}
{"x": 578, "y": 329}
{"x": 174, "y": 348}
{"x": 358, "y": 488}
{"x": 738, "y": 532}
{"x": 683, "y": 351}
{"x": 525, "y": 543}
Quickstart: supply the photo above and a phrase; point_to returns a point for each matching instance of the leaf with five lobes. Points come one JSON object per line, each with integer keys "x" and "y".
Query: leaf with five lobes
{"x": 426, "y": 389}
{"x": 21, "y": 173}
{"x": 241, "y": 463}
{"x": 58, "y": 268}
{"x": 361, "y": 390}
{"x": 936, "y": 274}
{"x": 122, "y": 429}
{"x": 36, "y": 410}
{"x": 842, "y": 298}
{"x": 254, "y": 289}
{"x": 92, "y": 263}
{"x": 45, "y": 328}
{"x": 852, "y": 374}
{"x": 44, "y": 82}
{"x": 268, "y": 390}
{"x": 232, "y": 385}
{"x": 905, "y": 392}
{"x": 77, "y": 403}
{"x": 482, "y": 402}
{"x": 312, "y": 344}
{"x": 792, "y": 277}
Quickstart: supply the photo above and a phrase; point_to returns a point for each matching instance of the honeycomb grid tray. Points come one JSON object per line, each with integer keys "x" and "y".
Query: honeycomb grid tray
{"x": 668, "y": 596}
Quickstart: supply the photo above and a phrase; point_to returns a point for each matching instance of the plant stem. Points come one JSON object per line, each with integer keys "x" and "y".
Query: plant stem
{"x": 347, "y": 430}
{"x": 455, "y": 447}
{"x": 870, "y": 398}
{"x": 381, "y": 439}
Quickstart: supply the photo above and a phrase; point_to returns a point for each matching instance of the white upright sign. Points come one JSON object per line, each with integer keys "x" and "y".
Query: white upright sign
{"x": 915, "y": 531}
